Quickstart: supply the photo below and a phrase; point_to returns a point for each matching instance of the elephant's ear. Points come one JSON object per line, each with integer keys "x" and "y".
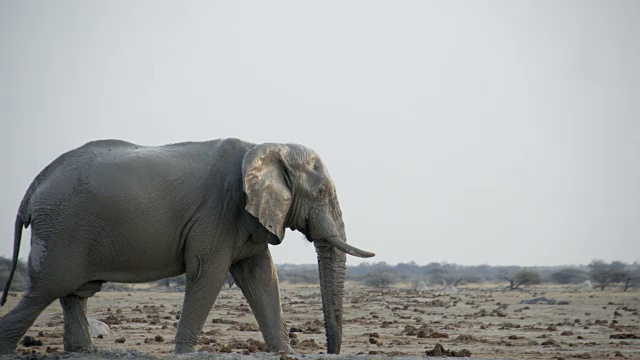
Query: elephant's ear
{"x": 268, "y": 194}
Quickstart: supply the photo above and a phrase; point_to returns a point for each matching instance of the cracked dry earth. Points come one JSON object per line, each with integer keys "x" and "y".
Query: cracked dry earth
{"x": 483, "y": 322}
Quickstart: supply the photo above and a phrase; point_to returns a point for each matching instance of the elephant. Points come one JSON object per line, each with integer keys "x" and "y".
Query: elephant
{"x": 111, "y": 210}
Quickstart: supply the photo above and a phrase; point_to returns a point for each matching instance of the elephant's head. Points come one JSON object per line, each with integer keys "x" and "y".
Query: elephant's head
{"x": 289, "y": 186}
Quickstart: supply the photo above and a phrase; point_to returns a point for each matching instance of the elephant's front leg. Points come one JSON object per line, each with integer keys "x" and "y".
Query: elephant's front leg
{"x": 258, "y": 280}
{"x": 205, "y": 278}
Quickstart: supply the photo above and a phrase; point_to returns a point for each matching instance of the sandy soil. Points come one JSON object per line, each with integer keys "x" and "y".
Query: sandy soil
{"x": 486, "y": 321}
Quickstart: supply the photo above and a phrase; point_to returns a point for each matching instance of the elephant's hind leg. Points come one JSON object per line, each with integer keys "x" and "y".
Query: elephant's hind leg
{"x": 16, "y": 322}
{"x": 77, "y": 335}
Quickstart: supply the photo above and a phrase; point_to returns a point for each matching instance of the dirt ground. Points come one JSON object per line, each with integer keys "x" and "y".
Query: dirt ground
{"x": 485, "y": 321}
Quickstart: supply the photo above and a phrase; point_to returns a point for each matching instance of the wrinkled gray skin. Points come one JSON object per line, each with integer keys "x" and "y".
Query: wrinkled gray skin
{"x": 115, "y": 211}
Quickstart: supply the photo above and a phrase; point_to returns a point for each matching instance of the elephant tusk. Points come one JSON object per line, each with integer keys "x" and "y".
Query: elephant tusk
{"x": 351, "y": 250}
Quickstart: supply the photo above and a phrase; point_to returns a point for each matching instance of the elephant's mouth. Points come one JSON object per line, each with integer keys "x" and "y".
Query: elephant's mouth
{"x": 273, "y": 240}
{"x": 339, "y": 244}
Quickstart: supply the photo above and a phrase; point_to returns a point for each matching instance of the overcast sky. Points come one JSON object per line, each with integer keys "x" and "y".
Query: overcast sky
{"x": 471, "y": 132}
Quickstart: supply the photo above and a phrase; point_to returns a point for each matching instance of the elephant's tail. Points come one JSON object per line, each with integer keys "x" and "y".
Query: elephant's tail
{"x": 23, "y": 219}
{"x": 14, "y": 262}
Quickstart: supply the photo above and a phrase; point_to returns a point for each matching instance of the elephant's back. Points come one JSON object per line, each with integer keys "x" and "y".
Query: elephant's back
{"x": 107, "y": 145}
{"x": 113, "y": 160}
{"x": 212, "y": 151}
{"x": 120, "y": 168}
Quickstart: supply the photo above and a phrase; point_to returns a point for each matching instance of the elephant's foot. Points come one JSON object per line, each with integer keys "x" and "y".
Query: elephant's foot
{"x": 8, "y": 339}
{"x": 7, "y": 349}
{"x": 78, "y": 347}
{"x": 15, "y": 323}
{"x": 282, "y": 349}
{"x": 183, "y": 348}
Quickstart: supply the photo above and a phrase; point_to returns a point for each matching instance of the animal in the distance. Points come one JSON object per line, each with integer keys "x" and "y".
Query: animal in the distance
{"x": 115, "y": 211}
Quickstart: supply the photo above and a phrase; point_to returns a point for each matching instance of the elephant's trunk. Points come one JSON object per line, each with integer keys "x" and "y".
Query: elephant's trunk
{"x": 331, "y": 264}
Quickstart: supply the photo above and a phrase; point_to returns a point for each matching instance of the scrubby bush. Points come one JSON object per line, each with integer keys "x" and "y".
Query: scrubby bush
{"x": 568, "y": 276}
{"x": 381, "y": 278}
{"x": 471, "y": 279}
{"x": 298, "y": 274}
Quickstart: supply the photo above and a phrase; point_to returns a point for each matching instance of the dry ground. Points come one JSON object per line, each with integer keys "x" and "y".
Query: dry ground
{"x": 486, "y": 321}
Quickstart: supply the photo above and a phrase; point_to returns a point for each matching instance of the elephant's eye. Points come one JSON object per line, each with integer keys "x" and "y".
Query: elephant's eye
{"x": 321, "y": 192}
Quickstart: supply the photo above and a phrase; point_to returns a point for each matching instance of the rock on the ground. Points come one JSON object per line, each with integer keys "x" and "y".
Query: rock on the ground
{"x": 98, "y": 327}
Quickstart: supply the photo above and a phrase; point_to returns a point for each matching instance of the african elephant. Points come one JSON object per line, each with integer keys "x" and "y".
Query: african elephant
{"x": 115, "y": 211}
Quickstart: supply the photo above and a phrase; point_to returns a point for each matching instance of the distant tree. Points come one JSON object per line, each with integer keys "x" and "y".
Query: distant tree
{"x": 381, "y": 278}
{"x": 604, "y": 274}
{"x": 631, "y": 279}
{"x": 523, "y": 277}
{"x": 438, "y": 272}
{"x": 569, "y": 276}
{"x": 408, "y": 268}
{"x": 477, "y": 273}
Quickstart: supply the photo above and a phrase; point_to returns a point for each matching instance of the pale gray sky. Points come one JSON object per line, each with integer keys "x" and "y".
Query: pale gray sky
{"x": 472, "y": 132}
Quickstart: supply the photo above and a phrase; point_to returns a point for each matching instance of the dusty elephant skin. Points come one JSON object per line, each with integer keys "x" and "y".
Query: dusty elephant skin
{"x": 115, "y": 211}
